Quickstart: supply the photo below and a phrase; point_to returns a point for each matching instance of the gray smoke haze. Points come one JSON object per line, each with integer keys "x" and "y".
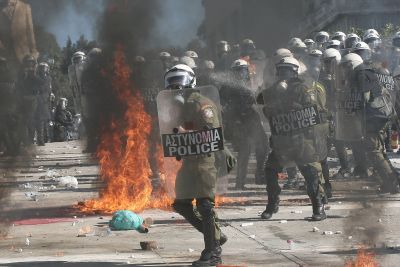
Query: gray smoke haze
{"x": 174, "y": 22}
{"x": 65, "y": 18}
{"x": 177, "y": 23}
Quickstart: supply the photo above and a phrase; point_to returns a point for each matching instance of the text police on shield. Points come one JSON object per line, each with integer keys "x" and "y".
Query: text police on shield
{"x": 193, "y": 143}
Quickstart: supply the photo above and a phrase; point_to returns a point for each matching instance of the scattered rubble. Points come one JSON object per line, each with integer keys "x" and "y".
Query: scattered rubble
{"x": 297, "y": 211}
{"x": 148, "y": 245}
{"x": 68, "y": 182}
{"x": 327, "y": 233}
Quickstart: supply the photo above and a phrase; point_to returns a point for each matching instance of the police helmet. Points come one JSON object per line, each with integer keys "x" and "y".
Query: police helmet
{"x": 351, "y": 39}
{"x": 140, "y": 59}
{"x": 188, "y": 61}
{"x": 290, "y": 62}
{"x": 164, "y": 55}
{"x": 191, "y": 54}
{"x": 370, "y": 31}
{"x": 208, "y": 64}
{"x": 281, "y": 53}
{"x": 332, "y": 53}
{"x": 309, "y": 42}
{"x": 315, "y": 53}
{"x": 180, "y": 76}
{"x": 78, "y": 57}
{"x": 340, "y": 36}
{"x": 363, "y": 50}
{"x": 321, "y": 37}
{"x": 352, "y": 60}
{"x": 222, "y": 46}
{"x": 333, "y": 44}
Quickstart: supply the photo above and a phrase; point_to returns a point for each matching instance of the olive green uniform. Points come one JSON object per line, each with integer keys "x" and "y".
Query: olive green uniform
{"x": 306, "y": 147}
{"x": 197, "y": 177}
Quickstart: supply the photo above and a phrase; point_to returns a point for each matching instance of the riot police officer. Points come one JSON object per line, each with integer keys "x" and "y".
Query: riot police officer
{"x": 42, "y": 114}
{"x": 300, "y": 139}
{"x": 75, "y": 71}
{"x": 63, "y": 122}
{"x": 243, "y": 123}
{"x": 223, "y": 59}
{"x": 380, "y": 89}
{"x": 8, "y": 107}
{"x": 197, "y": 176}
{"x": 320, "y": 39}
{"x": 330, "y": 60}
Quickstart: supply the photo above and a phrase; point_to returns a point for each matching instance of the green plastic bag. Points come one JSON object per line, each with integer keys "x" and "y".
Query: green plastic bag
{"x": 126, "y": 220}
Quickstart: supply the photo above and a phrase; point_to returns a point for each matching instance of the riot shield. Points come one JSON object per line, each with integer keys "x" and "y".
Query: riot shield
{"x": 192, "y": 141}
{"x": 297, "y": 134}
{"x": 349, "y": 115}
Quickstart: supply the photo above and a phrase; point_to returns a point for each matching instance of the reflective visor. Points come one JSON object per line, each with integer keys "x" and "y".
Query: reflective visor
{"x": 321, "y": 38}
{"x": 349, "y": 42}
{"x": 177, "y": 81}
{"x": 365, "y": 54}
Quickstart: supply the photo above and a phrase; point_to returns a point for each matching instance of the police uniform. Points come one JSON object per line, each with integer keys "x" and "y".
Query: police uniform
{"x": 378, "y": 110}
{"x": 8, "y": 114}
{"x": 198, "y": 174}
{"x": 302, "y": 141}
{"x": 243, "y": 124}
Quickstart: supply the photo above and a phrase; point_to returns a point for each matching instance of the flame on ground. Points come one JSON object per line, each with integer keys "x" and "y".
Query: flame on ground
{"x": 123, "y": 155}
{"x": 363, "y": 259}
{"x": 123, "y": 152}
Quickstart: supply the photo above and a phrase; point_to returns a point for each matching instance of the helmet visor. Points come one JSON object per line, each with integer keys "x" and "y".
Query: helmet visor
{"x": 349, "y": 42}
{"x": 365, "y": 54}
{"x": 321, "y": 39}
{"x": 242, "y": 73}
{"x": 286, "y": 72}
{"x": 339, "y": 38}
{"x": 374, "y": 43}
{"x": 177, "y": 82}
{"x": 337, "y": 47}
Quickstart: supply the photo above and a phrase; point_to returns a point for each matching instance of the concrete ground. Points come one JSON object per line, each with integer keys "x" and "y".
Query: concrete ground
{"x": 356, "y": 217}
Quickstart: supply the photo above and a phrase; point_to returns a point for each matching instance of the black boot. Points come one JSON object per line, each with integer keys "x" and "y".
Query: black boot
{"x": 223, "y": 239}
{"x": 210, "y": 256}
{"x": 318, "y": 209}
{"x": 272, "y": 207}
{"x": 328, "y": 189}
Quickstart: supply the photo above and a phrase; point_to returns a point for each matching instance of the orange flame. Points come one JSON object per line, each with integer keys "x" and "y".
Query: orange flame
{"x": 364, "y": 259}
{"x": 123, "y": 152}
{"x": 123, "y": 155}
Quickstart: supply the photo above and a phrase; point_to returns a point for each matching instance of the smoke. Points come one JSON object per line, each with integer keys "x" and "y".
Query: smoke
{"x": 65, "y": 18}
{"x": 177, "y": 23}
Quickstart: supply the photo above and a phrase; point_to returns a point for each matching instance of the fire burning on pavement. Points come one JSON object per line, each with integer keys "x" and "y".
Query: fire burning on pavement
{"x": 123, "y": 154}
{"x": 123, "y": 151}
{"x": 364, "y": 259}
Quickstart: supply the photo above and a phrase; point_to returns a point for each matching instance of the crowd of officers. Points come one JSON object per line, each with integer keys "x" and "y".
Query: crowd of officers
{"x": 31, "y": 112}
{"x": 332, "y": 92}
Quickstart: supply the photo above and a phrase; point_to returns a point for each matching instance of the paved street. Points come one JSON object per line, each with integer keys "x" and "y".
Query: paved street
{"x": 44, "y": 214}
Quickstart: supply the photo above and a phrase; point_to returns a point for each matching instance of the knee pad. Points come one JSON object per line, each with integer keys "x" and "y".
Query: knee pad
{"x": 205, "y": 207}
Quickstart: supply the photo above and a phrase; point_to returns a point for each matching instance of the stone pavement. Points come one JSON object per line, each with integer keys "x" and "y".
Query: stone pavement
{"x": 356, "y": 216}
